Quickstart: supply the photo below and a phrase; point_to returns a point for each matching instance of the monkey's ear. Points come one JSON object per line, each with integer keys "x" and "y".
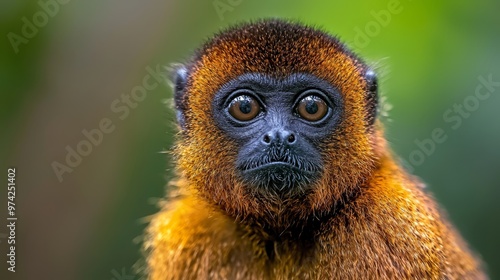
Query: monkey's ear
{"x": 371, "y": 96}
{"x": 179, "y": 77}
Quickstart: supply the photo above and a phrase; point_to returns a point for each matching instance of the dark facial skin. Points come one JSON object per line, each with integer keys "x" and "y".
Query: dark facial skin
{"x": 279, "y": 124}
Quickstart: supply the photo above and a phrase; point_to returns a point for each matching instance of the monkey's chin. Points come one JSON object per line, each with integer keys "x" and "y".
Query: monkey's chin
{"x": 279, "y": 177}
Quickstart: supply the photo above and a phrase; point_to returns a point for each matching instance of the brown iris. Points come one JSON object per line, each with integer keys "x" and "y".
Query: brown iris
{"x": 312, "y": 108}
{"x": 244, "y": 108}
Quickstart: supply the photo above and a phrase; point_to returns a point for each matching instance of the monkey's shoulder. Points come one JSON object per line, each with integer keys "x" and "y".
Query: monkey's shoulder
{"x": 192, "y": 221}
{"x": 193, "y": 240}
{"x": 396, "y": 225}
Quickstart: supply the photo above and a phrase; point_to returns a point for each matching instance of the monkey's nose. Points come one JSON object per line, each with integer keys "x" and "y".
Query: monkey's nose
{"x": 279, "y": 137}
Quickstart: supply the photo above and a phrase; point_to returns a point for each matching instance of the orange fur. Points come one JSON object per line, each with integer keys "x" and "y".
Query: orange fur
{"x": 364, "y": 219}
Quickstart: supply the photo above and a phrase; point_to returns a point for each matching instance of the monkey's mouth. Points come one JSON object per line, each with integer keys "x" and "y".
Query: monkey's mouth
{"x": 279, "y": 173}
{"x": 277, "y": 159}
{"x": 277, "y": 166}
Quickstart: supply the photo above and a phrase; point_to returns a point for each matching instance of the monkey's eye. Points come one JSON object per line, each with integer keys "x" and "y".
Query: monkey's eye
{"x": 312, "y": 108}
{"x": 244, "y": 108}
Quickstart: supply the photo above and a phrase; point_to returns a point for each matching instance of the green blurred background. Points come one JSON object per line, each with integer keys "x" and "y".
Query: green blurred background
{"x": 87, "y": 54}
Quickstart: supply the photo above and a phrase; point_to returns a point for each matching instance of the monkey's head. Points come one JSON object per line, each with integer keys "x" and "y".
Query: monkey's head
{"x": 277, "y": 122}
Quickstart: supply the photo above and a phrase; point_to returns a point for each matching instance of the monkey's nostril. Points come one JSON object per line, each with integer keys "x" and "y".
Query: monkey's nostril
{"x": 267, "y": 139}
{"x": 291, "y": 138}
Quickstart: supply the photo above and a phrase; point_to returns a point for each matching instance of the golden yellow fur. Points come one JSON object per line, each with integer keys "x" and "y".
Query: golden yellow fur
{"x": 365, "y": 218}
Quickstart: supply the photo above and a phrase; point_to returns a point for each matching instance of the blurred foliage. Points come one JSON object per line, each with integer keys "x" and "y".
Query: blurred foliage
{"x": 429, "y": 55}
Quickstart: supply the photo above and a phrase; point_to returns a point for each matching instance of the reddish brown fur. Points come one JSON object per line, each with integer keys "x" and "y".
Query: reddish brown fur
{"x": 364, "y": 219}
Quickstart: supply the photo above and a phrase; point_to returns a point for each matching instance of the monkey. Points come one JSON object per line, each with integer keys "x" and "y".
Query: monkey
{"x": 283, "y": 170}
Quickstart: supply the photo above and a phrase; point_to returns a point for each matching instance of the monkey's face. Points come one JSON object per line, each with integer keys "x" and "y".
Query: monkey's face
{"x": 278, "y": 124}
{"x": 275, "y": 113}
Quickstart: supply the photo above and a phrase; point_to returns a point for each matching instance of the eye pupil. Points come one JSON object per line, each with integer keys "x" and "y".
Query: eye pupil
{"x": 311, "y": 107}
{"x": 245, "y": 107}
